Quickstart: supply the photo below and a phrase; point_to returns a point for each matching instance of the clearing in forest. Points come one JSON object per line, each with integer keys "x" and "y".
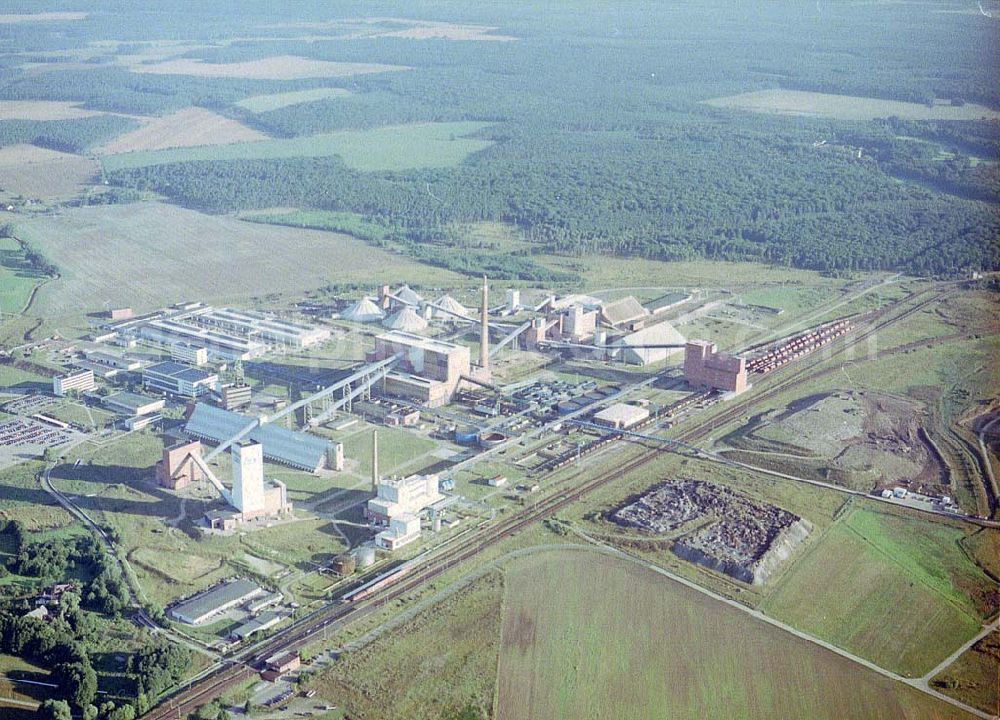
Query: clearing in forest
{"x": 847, "y": 107}
{"x": 44, "y": 174}
{"x": 279, "y": 67}
{"x": 585, "y": 635}
{"x": 189, "y": 127}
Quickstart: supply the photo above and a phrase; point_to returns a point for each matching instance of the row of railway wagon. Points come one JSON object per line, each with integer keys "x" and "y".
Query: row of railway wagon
{"x": 798, "y": 346}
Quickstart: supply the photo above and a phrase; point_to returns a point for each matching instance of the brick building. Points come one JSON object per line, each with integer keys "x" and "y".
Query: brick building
{"x": 704, "y": 366}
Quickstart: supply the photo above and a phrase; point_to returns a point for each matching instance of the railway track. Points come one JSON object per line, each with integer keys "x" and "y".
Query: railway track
{"x": 306, "y": 629}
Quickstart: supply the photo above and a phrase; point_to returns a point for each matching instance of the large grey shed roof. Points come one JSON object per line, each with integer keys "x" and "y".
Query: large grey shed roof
{"x": 281, "y": 445}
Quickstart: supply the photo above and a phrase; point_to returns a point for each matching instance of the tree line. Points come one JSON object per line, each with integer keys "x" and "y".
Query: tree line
{"x": 63, "y": 642}
{"x": 717, "y": 191}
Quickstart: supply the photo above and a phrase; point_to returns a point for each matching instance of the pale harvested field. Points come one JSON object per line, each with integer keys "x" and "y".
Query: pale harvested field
{"x": 846, "y": 107}
{"x": 425, "y": 29}
{"x": 150, "y": 254}
{"x": 14, "y": 19}
{"x": 36, "y": 172}
{"x": 280, "y": 67}
{"x": 367, "y": 27}
{"x": 265, "y": 103}
{"x": 42, "y": 110}
{"x": 189, "y": 127}
{"x": 34, "y": 68}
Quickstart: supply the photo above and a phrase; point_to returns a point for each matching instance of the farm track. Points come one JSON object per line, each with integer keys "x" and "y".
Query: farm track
{"x": 306, "y": 629}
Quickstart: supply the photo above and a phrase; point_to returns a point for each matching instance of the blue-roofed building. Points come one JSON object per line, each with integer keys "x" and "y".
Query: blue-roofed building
{"x": 176, "y": 379}
{"x": 281, "y": 445}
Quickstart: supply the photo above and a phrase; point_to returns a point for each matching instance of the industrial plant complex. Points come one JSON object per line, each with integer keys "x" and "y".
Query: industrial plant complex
{"x": 427, "y": 367}
{"x": 391, "y": 426}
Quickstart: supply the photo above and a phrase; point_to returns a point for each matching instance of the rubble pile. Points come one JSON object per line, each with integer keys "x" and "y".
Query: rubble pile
{"x": 743, "y": 538}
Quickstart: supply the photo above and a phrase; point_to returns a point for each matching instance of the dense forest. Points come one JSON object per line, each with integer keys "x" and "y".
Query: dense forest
{"x": 601, "y": 141}
{"x": 714, "y": 191}
{"x": 71, "y": 136}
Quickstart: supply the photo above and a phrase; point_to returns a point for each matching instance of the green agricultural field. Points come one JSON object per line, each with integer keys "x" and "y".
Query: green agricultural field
{"x": 400, "y": 147}
{"x": 143, "y": 255}
{"x": 305, "y": 486}
{"x": 793, "y": 299}
{"x": 128, "y": 460}
{"x": 585, "y": 635}
{"x": 847, "y": 107}
{"x": 897, "y": 591}
{"x": 11, "y": 665}
{"x": 17, "y": 278}
{"x": 397, "y": 450}
{"x": 936, "y": 366}
{"x": 434, "y": 666}
{"x": 183, "y": 568}
{"x": 79, "y": 414}
{"x": 620, "y": 273}
{"x": 265, "y": 103}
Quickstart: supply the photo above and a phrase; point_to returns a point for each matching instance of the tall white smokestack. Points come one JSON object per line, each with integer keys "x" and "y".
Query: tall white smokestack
{"x": 374, "y": 461}
{"x": 484, "y": 330}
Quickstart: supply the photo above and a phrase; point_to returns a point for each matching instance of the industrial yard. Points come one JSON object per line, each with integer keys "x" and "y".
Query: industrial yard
{"x": 267, "y": 470}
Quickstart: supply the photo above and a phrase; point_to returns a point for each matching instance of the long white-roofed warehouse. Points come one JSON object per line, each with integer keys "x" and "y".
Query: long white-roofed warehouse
{"x": 218, "y": 599}
{"x": 222, "y": 346}
{"x": 280, "y": 445}
{"x": 272, "y": 329}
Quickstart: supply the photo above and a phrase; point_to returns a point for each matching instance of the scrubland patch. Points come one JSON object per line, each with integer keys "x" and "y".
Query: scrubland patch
{"x": 434, "y": 666}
